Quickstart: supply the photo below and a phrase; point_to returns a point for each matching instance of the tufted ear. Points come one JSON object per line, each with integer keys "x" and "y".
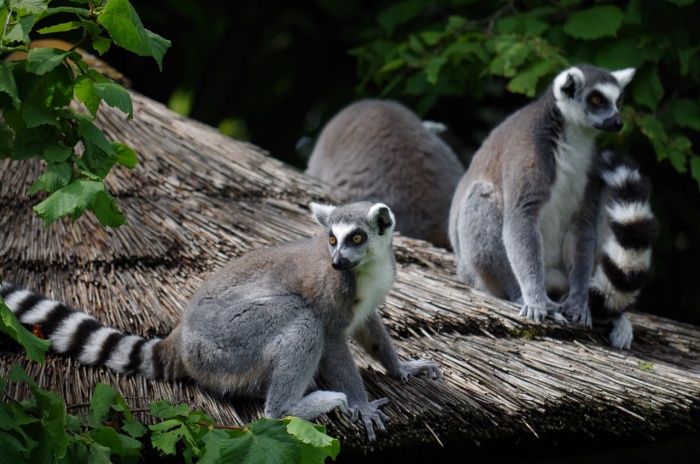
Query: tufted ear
{"x": 321, "y": 212}
{"x": 381, "y": 218}
{"x": 624, "y": 76}
{"x": 568, "y": 82}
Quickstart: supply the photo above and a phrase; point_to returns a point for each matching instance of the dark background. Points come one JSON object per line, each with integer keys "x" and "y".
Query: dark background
{"x": 275, "y": 72}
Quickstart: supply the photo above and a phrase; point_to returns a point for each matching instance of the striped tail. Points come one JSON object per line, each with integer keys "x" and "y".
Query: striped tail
{"x": 626, "y": 230}
{"x": 76, "y": 334}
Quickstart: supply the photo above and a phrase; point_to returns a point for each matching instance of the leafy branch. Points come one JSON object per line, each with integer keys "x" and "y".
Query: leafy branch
{"x": 39, "y": 429}
{"x": 36, "y": 92}
{"x": 429, "y": 50}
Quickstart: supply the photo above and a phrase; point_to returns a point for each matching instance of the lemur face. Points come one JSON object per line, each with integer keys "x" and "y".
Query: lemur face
{"x": 358, "y": 233}
{"x": 591, "y": 98}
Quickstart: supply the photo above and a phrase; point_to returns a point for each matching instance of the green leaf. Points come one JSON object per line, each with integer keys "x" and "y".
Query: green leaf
{"x": 679, "y": 152}
{"x": 432, "y": 69}
{"x": 57, "y": 154}
{"x": 695, "y": 168}
{"x": 102, "y": 399}
{"x": 6, "y": 140}
{"x": 63, "y": 27}
{"x": 125, "y": 155}
{"x": 115, "y": 96}
{"x": 392, "y": 65}
{"x": 90, "y": 133}
{"x": 134, "y": 428}
{"x": 19, "y": 32}
{"x": 83, "y": 88}
{"x": 432, "y": 38}
{"x": 42, "y": 60}
{"x": 685, "y": 55}
{"x": 7, "y": 83}
{"x": 126, "y": 30}
{"x": 686, "y": 113}
{"x": 594, "y": 23}
{"x": 55, "y": 177}
{"x": 101, "y": 44}
{"x": 118, "y": 443}
{"x": 30, "y": 6}
{"x": 36, "y": 115}
{"x": 11, "y": 449}
{"x": 647, "y": 89}
{"x": 314, "y": 435}
{"x": 73, "y": 199}
{"x": 398, "y": 14}
{"x": 266, "y": 441}
{"x": 654, "y": 131}
{"x": 618, "y": 54}
{"x": 99, "y": 454}
{"x": 525, "y": 81}
{"x": 36, "y": 347}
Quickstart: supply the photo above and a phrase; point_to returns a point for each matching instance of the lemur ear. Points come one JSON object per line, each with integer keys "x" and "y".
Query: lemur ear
{"x": 381, "y": 217}
{"x": 624, "y": 76}
{"x": 567, "y": 83}
{"x": 321, "y": 212}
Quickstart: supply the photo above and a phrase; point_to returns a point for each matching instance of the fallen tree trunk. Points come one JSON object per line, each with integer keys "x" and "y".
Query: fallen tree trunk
{"x": 198, "y": 199}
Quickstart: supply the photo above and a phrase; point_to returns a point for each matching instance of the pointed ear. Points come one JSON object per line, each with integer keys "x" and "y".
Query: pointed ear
{"x": 567, "y": 83}
{"x": 321, "y": 212}
{"x": 624, "y": 76}
{"x": 381, "y": 217}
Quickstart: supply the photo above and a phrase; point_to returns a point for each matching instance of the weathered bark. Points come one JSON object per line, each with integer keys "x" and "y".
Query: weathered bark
{"x": 197, "y": 199}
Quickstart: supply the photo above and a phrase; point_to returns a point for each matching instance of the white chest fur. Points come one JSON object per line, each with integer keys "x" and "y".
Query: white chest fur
{"x": 373, "y": 280}
{"x": 573, "y": 157}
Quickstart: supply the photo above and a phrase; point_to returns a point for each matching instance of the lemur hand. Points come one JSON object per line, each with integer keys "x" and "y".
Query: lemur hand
{"x": 418, "y": 367}
{"x": 370, "y": 415}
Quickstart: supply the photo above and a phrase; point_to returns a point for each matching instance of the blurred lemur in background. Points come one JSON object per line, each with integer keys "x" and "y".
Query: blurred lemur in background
{"x": 379, "y": 150}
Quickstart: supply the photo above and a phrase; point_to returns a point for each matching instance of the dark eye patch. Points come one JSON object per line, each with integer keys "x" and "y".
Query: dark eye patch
{"x": 597, "y": 100}
{"x": 351, "y": 239}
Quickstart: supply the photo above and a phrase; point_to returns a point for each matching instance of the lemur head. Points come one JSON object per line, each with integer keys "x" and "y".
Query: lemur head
{"x": 590, "y": 97}
{"x": 358, "y": 233}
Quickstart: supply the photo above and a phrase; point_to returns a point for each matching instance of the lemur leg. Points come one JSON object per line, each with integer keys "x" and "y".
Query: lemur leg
{"x": 483, "y": 261}
{"x": 298, "y": 349}
{"x": 374, "y": 339}
{"x": 338, "y": 368}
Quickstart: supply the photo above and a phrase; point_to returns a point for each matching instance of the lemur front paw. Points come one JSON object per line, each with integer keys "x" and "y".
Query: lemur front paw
{"x": 537, "y": 313}
{"x": 371, "y": 415}
{"x": 578, "y": 312}
{"x": 417, "y": 367}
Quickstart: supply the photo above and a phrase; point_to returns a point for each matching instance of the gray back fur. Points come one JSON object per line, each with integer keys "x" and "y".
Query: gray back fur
{"x": 380, "y": 151}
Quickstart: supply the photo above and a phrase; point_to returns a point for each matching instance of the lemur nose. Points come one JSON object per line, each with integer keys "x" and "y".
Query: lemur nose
{"x": 612, "y": 124}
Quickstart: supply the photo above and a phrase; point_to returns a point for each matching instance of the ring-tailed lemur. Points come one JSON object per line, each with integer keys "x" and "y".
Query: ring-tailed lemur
{"x": 523, "y": 221}
{"x": 266, "y": 323}
{"x": 379, "y": 150}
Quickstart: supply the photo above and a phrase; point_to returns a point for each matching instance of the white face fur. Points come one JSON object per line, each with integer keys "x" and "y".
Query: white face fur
{"x": 591, "y": 105}
{"x": 354, "y": 242}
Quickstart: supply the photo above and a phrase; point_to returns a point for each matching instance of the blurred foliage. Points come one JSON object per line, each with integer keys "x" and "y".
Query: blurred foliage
{"x": 275, "y": 72}
{"x": 419, "y": 53}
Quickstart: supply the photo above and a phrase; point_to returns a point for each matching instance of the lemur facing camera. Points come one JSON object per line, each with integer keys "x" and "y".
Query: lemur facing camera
{"x": 266, "y": 323}
{"x": 379, "y": 150}
{"x": 546, "y": 220}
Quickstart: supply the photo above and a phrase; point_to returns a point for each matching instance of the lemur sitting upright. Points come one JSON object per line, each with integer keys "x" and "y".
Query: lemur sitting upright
{"x": 379, "y": 150}
{"x": 540, "y": 210}
{"x": 265, "y": 324}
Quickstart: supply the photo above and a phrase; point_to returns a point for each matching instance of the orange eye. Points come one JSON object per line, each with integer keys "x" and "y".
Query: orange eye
{"x": 357, "y": 239}
{"x": 596, "y": 101}
{"x": 332, "y": 240}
